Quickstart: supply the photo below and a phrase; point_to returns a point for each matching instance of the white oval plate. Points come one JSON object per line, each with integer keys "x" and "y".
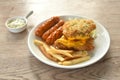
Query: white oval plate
{"x": 102, "y": 43}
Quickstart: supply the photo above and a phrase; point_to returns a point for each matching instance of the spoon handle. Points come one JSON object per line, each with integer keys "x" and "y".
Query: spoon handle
{"x": 30, "y": 13}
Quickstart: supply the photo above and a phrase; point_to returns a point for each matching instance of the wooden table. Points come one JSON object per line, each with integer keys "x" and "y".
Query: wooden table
{"x": 17, "y": 62}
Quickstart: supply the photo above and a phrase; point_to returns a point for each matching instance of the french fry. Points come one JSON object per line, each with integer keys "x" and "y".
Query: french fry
{"x": 63, "y": 57}
{"x": 74, "y": 61}
{"x": 38, "y": 43}
{"x": 63, "y": 52}
{"x": 77, "y": 54}
{"x": 80, "y": 54}
{"x": 47, "y": 55}
{"x": 59, "y": 57}
{"x": 48, "y": 50}
{"x": 41, "y": 45}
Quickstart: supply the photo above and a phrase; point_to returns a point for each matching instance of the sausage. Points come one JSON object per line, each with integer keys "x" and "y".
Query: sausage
{"x": 46, "y": 25}
{"x": 54, "y": 36}
{"x": 52, "y": 29}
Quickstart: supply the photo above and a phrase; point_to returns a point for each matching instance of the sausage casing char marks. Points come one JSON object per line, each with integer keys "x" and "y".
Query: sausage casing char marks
{"x": 46, "y": 26}
{"x": 52, "y": 29}
{"x": 54, "y": 36}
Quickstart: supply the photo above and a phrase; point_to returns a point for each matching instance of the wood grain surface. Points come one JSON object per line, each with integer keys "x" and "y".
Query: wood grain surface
{"x": 17, "y": 62}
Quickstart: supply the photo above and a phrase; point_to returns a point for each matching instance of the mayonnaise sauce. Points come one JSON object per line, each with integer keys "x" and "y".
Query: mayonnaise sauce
{"x": 16, "y": 23}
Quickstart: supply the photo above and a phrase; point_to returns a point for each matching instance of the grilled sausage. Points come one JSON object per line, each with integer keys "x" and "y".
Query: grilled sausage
{"x": 52, "y": 29}
{"x": 54, "y": 36}
{"x": 46, "y": 25}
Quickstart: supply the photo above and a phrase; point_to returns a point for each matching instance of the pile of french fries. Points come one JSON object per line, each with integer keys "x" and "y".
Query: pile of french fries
{"x": 62, "y": 57}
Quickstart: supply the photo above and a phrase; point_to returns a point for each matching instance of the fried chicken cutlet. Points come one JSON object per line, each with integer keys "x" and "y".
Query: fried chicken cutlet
{"x": 77, "y": 35}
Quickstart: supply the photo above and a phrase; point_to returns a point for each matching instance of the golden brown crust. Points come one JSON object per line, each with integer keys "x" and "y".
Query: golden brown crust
{"x": 78, "y": 27}
{"x": 77, "y": 35}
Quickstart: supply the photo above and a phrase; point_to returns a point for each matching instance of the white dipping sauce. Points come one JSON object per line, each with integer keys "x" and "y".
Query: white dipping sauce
{"x": 16, "y": 23}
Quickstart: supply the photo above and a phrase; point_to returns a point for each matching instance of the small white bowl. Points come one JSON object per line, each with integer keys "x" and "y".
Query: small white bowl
{"x": 18, "y": 29}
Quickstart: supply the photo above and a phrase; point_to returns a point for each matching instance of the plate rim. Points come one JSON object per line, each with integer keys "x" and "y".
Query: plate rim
{"x": 73, "y": 66}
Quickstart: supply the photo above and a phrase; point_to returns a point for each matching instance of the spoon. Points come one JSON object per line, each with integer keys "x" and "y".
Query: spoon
{"x": 29, "y": 14}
